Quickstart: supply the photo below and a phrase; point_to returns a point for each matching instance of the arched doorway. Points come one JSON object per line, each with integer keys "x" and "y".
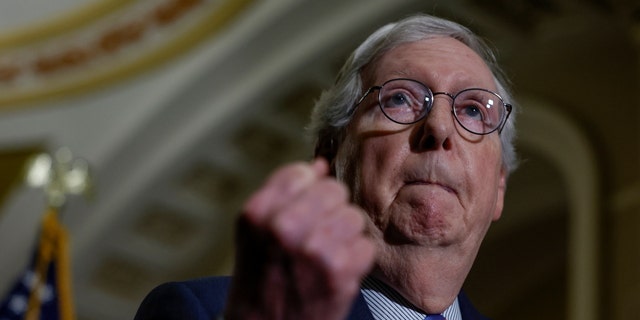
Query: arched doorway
{"x": 541, "y": 259}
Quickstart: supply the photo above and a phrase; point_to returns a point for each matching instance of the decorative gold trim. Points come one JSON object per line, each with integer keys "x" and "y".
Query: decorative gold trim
{"x": 61, "y": 24}
{"x": 211, "y": 24}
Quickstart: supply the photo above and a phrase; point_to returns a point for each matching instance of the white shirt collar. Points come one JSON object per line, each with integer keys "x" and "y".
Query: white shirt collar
{"x": 387, "y": 304}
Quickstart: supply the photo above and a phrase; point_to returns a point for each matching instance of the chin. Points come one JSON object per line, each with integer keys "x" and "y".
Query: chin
{"x": 427, "y": 237}
{"x": 428, "y": 228}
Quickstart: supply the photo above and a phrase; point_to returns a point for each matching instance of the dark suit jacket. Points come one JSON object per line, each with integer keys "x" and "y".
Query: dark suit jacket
{"x": 204, "y": 299}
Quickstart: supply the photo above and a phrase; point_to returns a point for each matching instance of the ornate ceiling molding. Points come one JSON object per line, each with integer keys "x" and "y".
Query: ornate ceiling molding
{"x": 66, "y": 23}
{"x": 123, "y": 41}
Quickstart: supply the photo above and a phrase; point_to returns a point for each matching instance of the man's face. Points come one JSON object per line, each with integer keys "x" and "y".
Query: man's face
{"x": 431, "y": 184}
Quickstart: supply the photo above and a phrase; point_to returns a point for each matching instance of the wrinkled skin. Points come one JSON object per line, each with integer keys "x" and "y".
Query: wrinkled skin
{"x": 429, "y": 193}
{"x": 301, "y": 248}
{"x": 431, "y": 189}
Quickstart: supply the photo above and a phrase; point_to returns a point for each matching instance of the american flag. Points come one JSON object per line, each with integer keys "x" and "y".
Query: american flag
{"x": 43, "y": 291}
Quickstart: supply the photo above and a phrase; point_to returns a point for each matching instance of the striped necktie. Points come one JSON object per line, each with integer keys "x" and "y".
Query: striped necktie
{"x": 435, "y": 317}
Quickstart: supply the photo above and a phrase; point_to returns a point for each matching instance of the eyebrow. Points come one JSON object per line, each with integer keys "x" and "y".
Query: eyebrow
{"x": 462, "y": 81}
{"x": 403, "y": 73}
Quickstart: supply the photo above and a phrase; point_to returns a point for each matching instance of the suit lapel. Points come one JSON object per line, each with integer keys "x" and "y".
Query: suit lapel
{"x": 467, "y": 310}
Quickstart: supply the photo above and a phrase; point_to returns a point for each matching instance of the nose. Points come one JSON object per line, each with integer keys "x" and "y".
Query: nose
{"x": 435, "y": 130}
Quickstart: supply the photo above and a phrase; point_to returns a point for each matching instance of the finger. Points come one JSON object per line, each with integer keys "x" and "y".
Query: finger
{"x": 320, "y": 166}
{"x": 280, "y": 187}
{"x": 348, "y": 263}
{"x": 312, "y": 207}
{"x": 342, "y": 225}
{"x": 339, "y": 244}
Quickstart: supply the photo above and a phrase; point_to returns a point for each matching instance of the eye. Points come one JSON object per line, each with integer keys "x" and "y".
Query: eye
{"x": 471, "y": 111}
{"x": 396, "y": 100}
{"x": 478, "y": 110}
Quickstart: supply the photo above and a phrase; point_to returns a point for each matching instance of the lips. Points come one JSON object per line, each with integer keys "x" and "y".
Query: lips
{"x": 433, "y": 183}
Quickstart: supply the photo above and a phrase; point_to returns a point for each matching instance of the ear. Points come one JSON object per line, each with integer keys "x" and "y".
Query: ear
{"x": 502, "y": 188}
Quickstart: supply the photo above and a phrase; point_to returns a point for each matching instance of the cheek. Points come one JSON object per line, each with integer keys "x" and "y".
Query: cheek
{"x": 484, "y": 173}
{"x": 483, "y": 161}
{"x": 370, "y": 166}
{"x": 380, "y": 161}
{"x": 492, "y": 167}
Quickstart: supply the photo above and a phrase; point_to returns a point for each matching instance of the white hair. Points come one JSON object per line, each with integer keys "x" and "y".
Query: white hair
{"x": 334, "y": 108}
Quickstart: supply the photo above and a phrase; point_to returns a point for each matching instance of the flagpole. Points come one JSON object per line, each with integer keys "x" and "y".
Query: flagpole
{"x": 59, "y": 176}
{"x": 47, "y": 245}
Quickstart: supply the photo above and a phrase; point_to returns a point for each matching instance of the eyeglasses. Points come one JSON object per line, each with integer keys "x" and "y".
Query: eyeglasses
{"x": 408, "y": 101}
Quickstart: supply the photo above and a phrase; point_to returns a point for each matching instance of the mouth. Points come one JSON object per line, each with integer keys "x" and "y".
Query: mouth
{"x": 431, "y": 183}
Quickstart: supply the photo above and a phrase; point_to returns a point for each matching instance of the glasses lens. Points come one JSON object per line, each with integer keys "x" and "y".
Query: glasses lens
{"x": 478, "y": 110}
{"x": 404, "y": 101}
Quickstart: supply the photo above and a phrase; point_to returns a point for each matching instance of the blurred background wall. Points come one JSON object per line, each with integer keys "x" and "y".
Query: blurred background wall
{"x": 182, "y": 107}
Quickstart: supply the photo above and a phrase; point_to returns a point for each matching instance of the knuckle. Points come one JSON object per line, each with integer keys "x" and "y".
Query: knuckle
{"x": 330, "y": 187}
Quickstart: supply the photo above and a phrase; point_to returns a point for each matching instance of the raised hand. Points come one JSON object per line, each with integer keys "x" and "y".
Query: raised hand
{"x": 301, "y": 251}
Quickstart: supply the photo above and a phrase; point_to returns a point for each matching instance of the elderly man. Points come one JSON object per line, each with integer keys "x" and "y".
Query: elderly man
{"x": 414, "y": 146}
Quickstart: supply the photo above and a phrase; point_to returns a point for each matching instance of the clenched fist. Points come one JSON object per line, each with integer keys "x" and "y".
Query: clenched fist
{"x": 301, "y": 251}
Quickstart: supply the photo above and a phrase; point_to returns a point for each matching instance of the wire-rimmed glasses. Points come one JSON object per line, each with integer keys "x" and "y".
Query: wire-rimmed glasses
{"x": 407, "y": 101}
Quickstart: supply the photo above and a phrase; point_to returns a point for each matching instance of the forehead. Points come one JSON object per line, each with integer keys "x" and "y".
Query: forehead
{"x": 442, "y": 63}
